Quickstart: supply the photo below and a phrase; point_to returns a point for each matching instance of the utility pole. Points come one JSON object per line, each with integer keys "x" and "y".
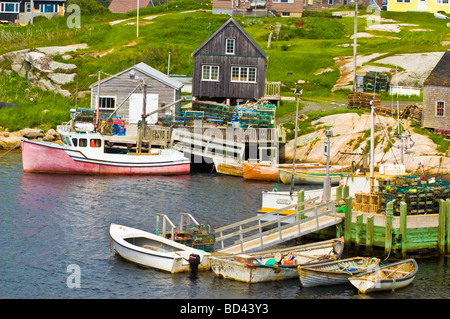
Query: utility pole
{"x": 355, "y": 32}
{"x": 298, "y": 93}
{"x": 168, "y": 66}
{"x": 327, "y": 180}
{"x": 137, "y": 20}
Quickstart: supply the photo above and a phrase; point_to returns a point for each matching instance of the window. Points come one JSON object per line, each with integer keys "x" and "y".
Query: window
{"x": 440, "y": 108}
{"x": 28, "y": 7}
{"x": 230, "y": 46}
{"x": 75, "y": 142}
{"x": 243, "y": 74}
{"x": 405, "y": 1}
{"x": 330, "y": 2}
{"x": 107, "y": 102}
{"x": 285, "y": 14}
{"x": 83, "y": 142}
{"x": 95, "y": 142}
{"x": 442, "y": 1}
{"x": 283, "y": 1}
{"x": 48, "y": 8}
{"x": 9, "y": 7}
{"x": 210, "y": 73}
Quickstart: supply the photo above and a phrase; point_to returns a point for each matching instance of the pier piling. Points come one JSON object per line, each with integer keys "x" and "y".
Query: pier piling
{"x": 403, "y": 227}
{"x": 388, "y": 227}
{"x": 369, "y": 234}
{"x": 348, "y": 222}
{"x": 447, "y": 218}
{"x": 441, "y": 226}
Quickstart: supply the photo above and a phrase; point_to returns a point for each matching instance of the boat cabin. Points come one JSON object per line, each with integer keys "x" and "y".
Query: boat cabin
{"x": 82, "y": 140}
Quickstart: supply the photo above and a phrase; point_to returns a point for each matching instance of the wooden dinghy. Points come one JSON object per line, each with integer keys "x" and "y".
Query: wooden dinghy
{"x": 335, "y": 272}
{"x": 152, "y": 251}
{"x": 310, "y": 177}
{"x": 270, "y": 173}
{"x": 388, "y": 277}
{"x": 275, "y": 265}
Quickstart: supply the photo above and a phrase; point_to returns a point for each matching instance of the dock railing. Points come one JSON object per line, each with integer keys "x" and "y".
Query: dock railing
{"x": 188, "y": 219}
{"x": 266, "y": 237}
{"x": 165, "y": 220}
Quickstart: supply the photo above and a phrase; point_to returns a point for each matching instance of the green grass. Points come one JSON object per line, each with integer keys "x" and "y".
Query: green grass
{"x": 442, "y": 143}
{"x": 298, "y": 54}
{"x": 37, "y": 108}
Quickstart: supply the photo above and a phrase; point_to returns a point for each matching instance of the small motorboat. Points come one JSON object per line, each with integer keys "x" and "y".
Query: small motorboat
{"x": 388, "y": 277}
{"x": 152, "y": 251}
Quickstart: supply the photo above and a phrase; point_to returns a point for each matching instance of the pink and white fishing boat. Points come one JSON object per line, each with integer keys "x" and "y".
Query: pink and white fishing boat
{"x": 85, "y": 153}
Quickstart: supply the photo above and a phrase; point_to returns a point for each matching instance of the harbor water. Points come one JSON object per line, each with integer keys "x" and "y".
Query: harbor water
{"x": 53, "y": 225}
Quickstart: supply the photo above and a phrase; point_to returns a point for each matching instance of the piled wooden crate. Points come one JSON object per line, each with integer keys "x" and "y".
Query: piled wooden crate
{"x": 367, "y": 203}
{"x": 363, "y": 100}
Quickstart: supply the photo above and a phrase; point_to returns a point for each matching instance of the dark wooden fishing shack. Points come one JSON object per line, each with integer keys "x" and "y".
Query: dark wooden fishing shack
{"x": 229, "y": 66}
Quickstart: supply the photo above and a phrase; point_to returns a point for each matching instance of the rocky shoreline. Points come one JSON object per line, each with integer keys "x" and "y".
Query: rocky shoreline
{"x": 11, "y": 140}
{"x": 349, "y": 135}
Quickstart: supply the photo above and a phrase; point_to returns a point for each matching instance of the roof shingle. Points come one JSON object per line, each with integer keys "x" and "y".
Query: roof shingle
{"x": 440, "y": 76}
{"x": 122, "y": 6}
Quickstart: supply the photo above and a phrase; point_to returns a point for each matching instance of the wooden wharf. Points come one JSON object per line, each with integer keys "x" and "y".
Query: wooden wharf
{"x": 226, "y": 143}
{"x": 306, "y": 221}
{"x": 399, "y": 236}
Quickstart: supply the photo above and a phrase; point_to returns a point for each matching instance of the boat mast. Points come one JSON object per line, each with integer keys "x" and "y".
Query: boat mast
{"x": 98, "y": 97}
{"x": 141, "y": 132}
{"x": 372, "y": 146}
{"x": 298, "y": 92}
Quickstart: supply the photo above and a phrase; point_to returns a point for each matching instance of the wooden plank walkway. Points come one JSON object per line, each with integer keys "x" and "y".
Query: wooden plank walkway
{"x": 315, "y": 218}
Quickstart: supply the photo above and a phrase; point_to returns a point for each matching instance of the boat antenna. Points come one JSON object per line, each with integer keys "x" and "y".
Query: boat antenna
{"x": 298, "y": 93}
{"x": 98, "y": 99}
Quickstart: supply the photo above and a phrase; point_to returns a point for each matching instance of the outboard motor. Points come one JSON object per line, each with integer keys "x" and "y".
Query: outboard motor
{"x": 194, "y": 261}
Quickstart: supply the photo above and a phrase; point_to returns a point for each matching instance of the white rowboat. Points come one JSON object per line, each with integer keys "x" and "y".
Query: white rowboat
{"x": 388, "y": 277}
{"x": 152, "y": 251}
{"x": 335, "y": 272}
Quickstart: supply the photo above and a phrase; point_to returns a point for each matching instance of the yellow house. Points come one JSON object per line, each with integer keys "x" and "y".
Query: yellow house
{"x": 432, "y": 6}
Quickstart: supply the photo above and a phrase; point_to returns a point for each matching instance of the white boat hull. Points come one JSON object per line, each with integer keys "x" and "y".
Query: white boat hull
{"x": 230, "y": 269}
{"x": 375, "y": 281}
{"x": 327, "y": 274}
{"x": 168, "y": 256}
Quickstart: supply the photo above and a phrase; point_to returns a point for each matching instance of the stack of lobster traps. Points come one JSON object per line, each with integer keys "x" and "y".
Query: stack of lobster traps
{"x": 420, "y": 194}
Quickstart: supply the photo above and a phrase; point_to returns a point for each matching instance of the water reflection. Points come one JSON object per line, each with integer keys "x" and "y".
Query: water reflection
{"x": 51, "y": 221}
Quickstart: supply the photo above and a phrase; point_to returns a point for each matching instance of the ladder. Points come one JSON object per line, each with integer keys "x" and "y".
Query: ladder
{"x": 304, "y": 222}
{"x": 185, "y": 219}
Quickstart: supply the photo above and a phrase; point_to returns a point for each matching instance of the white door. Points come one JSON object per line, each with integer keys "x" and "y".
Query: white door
{"x": 136, "y": 104}
{"x": 422, "y": 6}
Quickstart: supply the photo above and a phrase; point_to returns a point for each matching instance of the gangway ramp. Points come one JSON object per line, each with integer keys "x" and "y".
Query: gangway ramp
{"x": 305, "y": 222}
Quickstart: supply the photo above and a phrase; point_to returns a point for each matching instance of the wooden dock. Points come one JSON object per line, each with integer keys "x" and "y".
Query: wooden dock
{"x": 399, "y": 236}
{"x": 258, "y": 237}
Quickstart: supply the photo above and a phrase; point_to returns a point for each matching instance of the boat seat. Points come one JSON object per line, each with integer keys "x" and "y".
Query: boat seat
{"x": 150, "y": 247}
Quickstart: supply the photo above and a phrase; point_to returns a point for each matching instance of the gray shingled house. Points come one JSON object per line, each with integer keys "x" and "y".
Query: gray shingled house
{"x": 161, "y": 90}
{"x": 436, "y": 97}
{"x": 229, "y": 65}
